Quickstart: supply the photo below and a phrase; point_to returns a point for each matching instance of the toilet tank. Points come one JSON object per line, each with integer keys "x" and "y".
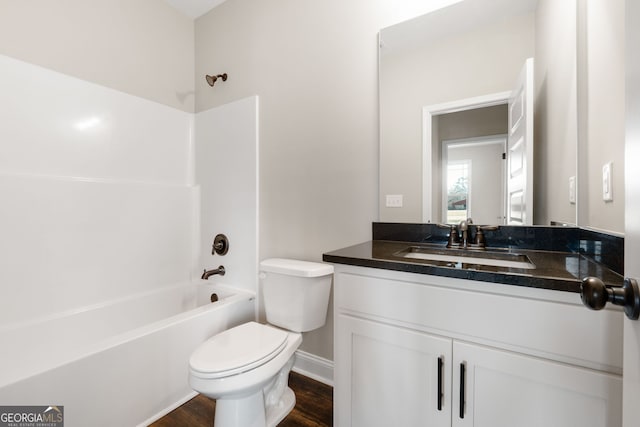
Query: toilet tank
{"x": 296, "y": 293}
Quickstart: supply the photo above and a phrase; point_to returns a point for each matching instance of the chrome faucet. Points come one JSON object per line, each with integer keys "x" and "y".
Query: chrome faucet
{"x": 220, "y": 270}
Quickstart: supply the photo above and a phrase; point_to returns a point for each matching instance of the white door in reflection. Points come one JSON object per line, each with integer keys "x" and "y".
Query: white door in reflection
{"x": 520, "y": 150}
{"x": 474, "y": 167}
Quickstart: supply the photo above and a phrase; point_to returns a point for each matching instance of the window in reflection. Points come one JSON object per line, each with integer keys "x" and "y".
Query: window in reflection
{"x": 458, "y": 191}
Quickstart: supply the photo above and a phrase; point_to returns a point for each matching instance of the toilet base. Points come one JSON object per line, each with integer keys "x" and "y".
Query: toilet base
{"x": 265, "y": 408}
{"x": 246, "y": 411}
{"x": 250, "y": 411}
{"x": 275, "y": 415}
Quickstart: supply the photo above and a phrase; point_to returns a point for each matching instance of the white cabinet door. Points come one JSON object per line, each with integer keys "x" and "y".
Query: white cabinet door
{"x": 504, "y": 389}
{"x": 389, "y": 376}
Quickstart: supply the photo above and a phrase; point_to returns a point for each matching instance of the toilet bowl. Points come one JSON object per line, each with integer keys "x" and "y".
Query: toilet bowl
{"x": 246, "y": 368}
{"x": 243, "y": 365}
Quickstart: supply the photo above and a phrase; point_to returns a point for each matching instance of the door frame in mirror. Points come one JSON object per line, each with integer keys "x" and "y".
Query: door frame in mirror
{"x": 428, "y": 113}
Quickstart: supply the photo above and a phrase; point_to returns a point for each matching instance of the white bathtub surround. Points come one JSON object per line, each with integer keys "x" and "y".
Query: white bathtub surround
{"x": 226, "y": 158}
{"x": 56, "y": 125}
{"x": 69, "y": 243}
{"x": 106, "y": 194}
{"x": 96, "y": 199}
{"x": 101, "y": 236}
{"x": 116, "y": 364}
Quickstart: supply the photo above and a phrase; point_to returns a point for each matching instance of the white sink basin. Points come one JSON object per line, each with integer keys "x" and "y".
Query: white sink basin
{"x": 457, "y": 256}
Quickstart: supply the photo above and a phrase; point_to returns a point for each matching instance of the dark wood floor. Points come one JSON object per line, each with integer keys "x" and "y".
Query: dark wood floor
{"x": 314, "y": 407}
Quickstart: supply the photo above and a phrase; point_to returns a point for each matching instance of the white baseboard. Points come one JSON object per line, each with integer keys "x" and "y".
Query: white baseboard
{"x": 314, "y": 367}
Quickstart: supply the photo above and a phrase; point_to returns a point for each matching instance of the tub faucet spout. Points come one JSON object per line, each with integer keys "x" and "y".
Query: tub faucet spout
{"x": 220, "y": 270}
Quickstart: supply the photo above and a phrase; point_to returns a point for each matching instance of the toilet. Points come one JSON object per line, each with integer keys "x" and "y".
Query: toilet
{"x": 246, "y": 368}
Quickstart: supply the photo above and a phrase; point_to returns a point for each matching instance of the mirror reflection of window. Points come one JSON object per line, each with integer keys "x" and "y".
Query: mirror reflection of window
{"x": 458, "y": 191}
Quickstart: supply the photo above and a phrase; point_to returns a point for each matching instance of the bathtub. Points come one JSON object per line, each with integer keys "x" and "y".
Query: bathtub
{"x": 121, "y": 363}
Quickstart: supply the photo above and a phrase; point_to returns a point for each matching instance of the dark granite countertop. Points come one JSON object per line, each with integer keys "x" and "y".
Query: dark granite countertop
{"x": 556, "y": 270}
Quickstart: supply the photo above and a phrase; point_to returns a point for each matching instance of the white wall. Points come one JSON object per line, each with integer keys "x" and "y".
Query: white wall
{"x": 579, "y": 126}
{"x": 96, "y": 195}
{"x": 556, "y": 123}
{"x": 141, "y": 47}
{"x": 602, "y": 100}
{"x": 226, "y": 158}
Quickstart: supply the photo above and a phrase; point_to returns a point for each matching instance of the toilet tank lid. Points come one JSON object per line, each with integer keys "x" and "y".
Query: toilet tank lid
{"x": 294, "y": 267}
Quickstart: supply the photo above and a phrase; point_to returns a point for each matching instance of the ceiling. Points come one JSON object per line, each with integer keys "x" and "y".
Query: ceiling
{"x": 457, "y": 18}
{"x": 194, "y": 8}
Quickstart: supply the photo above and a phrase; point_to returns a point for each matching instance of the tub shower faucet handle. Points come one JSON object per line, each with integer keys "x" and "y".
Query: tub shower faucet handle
{"x": 220, "y": 245}
{"x": 208, "y": 273}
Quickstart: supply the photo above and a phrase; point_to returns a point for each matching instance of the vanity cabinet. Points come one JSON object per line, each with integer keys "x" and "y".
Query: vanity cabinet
{"x": 506, "y": 389}
{"x": 417, "y": 350}
{"x": 392, "y": 376}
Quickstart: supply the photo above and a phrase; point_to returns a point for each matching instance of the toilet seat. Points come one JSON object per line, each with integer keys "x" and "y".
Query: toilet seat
{"x": 237, "y": 350}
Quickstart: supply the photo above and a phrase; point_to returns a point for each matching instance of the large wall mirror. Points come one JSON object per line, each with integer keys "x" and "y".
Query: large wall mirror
{"x": 451, "y": 98}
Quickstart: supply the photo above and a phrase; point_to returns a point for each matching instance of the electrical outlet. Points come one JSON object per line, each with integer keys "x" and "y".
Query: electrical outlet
{"x": 394, "y": 200}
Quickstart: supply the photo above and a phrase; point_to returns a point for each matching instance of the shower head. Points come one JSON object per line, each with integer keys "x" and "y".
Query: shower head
{"x": 212, "y": 79}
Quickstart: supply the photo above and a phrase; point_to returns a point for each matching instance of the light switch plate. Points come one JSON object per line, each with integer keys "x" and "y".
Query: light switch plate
{"x": 607, "y": 185}
{"x": 572, "y": 190}
{"x": 394, "y": 201}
